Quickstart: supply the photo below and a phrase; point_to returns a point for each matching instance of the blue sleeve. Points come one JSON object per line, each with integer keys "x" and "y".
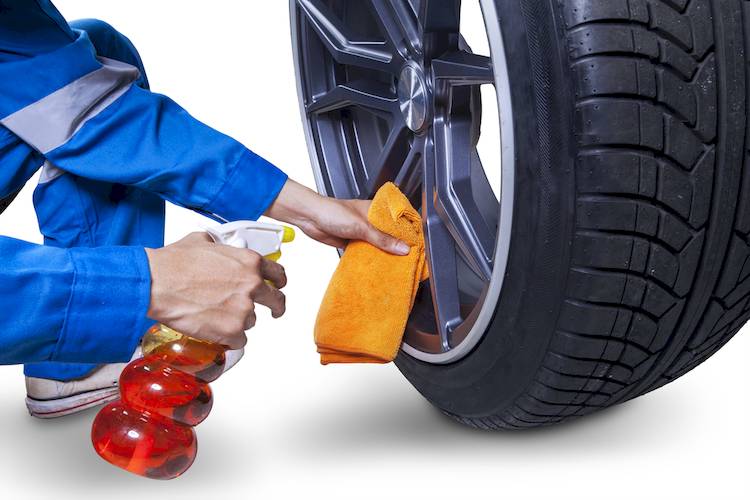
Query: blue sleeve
{"x": 146, "y": 140}
{"x": 18, "y": 163}
{"x": 31, "y": 27}
{"x": 82, "y": 305}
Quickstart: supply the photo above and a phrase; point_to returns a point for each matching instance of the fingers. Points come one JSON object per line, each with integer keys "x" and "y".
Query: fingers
{"x": 237, "y": 341}
{"x": 230, "y": 328}
{"x": 375, "y": 237}
{"x": 386, "y": 242}
{"x": 273, "y": 272}
{"x": 272, "y": 298}
{"x": 250, "y": 320}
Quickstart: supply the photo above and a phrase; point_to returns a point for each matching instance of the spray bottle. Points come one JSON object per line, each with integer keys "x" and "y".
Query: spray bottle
{"x": 163, "y": 395}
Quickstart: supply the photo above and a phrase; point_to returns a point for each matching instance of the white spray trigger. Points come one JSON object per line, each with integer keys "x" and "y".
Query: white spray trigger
{"x": 263, "y": 238}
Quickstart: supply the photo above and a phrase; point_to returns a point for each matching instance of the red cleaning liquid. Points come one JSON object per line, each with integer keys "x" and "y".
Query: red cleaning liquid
{"x": 149, "y": 384}
{"x": 149, "y": 431}
{"x": 143, "y": 443}
{"x": 204, "y": 360}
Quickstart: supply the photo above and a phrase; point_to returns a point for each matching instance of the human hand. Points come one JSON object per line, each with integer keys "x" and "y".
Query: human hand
{"x": 330, "y": 221}
{"x": 209, "y": 291}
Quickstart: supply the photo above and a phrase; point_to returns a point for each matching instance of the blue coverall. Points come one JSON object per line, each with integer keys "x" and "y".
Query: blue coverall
{"x": 75, "y": 102}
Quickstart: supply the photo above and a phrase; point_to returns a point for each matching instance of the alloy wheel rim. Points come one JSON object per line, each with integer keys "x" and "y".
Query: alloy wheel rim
{"x": 414, "y": 84}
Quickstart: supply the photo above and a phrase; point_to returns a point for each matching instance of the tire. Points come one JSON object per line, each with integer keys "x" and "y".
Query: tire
{"x": 630, "y": 242}
{"x": 627, "y": 257}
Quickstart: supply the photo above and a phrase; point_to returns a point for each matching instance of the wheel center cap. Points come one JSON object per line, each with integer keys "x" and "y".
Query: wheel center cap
{"x": 412, "y": 97}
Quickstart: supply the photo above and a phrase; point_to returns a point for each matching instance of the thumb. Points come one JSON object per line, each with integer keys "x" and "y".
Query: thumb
{"x": 386, "y": 242}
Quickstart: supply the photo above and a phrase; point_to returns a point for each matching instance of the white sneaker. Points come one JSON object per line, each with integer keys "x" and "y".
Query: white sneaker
{"x": 46, "y": 398}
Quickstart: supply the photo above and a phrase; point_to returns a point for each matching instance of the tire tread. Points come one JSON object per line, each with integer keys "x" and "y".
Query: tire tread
{"x": 659, "y": 278}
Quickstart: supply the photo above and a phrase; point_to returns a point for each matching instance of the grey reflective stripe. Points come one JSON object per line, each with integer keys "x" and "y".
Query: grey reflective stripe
{"x": 51, "y": 121}
{"x": 49, "y": 173}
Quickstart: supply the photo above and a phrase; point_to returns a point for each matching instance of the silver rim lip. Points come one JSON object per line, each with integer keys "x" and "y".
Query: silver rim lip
{"x": 507, "y": 187}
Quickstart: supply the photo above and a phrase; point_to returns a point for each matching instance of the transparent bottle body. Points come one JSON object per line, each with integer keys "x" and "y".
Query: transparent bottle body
{"x": 149, "y": 430}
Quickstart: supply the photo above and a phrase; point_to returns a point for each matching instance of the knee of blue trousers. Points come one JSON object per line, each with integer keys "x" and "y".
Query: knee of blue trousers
{"x": 58, "y": 371}
{"x": 110, "y": 43}
{"x": 64, "y": 372}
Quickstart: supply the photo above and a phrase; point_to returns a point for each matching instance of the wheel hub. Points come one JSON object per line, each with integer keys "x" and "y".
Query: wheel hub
{"x": 413, "y": 97}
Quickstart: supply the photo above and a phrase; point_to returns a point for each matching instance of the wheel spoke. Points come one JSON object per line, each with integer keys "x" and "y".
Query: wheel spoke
{"x": 409, "y": 176}
{"x": 463, "y": 68}
{"x": 440, "y": 15}
{"x": 399, "y": 24}
{"x": 455, "y": 194}
{"x": 372, "y": 96}
{"x": 485, "y": 198}
{"x": 341, "y": 43}
{"x": 441, "y": 255}
{"x": 392, "y": 159}
{"x": 440, "y": 21}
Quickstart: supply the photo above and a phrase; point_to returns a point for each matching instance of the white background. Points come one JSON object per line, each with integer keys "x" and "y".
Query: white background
{"x": 285, "y": 427}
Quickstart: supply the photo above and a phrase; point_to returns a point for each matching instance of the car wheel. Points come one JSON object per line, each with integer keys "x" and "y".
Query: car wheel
{"x": 604, "y": 250}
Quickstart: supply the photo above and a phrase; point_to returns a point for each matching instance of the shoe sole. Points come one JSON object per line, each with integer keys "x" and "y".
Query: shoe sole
{"x": 72, "y": 404}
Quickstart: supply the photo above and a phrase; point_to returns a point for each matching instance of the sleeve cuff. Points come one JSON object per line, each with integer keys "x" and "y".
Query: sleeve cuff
{"x": 106, "y": 315}
{"x": 251, "y": 187}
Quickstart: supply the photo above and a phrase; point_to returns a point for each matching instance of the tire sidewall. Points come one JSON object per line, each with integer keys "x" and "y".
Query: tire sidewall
{"x": 506, "y": 360}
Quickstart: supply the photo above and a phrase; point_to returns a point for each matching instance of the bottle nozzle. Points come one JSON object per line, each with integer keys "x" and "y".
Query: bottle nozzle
{"x": 288, "y": 235}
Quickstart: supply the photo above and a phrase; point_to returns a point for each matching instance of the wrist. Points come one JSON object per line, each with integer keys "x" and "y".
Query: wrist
{"x": 295, "y": 204}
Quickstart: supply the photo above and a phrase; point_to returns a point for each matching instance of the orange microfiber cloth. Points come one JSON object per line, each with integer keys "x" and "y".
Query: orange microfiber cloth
{"x": 365, "y": 308}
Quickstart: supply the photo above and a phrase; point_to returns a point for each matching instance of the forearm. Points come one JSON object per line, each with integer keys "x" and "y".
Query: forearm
{"x": 295, "y": 204}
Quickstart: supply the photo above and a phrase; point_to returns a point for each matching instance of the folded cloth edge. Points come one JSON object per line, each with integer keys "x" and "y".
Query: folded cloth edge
{"x": 392, "y": 213}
